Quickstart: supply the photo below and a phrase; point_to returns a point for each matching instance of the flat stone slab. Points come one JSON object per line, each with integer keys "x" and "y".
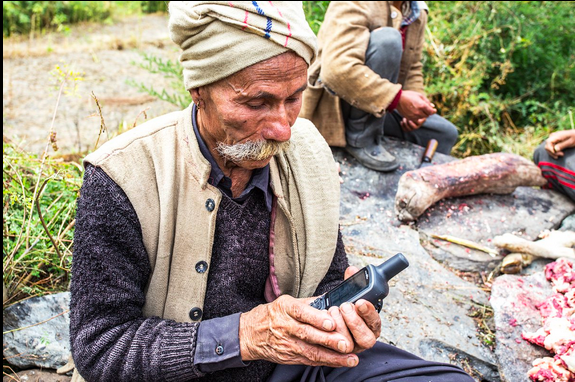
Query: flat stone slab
{"x": 427, "y": 309}
{"x": 37, "y": 332}
{"x": 527, "y": 211}
{"x": 368, "y": 194}
{"x": 514, "y": 300}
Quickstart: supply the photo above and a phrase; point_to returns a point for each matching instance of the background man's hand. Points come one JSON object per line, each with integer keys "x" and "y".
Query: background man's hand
{"x": 414, "y": 106}
{"x": 408, "y": 125}
{"x": 290, "y": 331}
{"x": 559, "y": 141}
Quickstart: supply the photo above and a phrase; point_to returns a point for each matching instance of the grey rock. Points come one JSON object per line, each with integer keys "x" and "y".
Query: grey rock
{"x": 427, "y": 309}
{"x": 36, "y": 375}
{"x": 527, "y": 211}
{"x": 428, "y": 305}
{"x": 514, "y": 300}
{"x": 478, "y": 218}
{"x": 36, "y": 332}
{"x": 568, "y": 224}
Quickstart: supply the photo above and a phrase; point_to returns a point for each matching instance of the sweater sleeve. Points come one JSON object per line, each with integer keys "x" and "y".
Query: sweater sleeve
{"x": 110, "y": 338}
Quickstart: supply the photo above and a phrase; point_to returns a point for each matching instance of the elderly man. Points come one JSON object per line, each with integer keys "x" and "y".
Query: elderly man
{"x": 367, "y": 81}
{"x": 201, "y": 235}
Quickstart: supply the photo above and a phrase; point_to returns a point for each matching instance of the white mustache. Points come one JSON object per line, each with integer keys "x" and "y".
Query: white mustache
{"x": 251, "y": 151}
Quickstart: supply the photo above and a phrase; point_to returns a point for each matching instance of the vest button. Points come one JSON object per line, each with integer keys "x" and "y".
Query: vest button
{"x": 195, "y": 314}
{"x": 201, "y": 266}
{"x": 210, "y": 204}
{"x": 219, "y": 350}
{"x": 393, "y": 14}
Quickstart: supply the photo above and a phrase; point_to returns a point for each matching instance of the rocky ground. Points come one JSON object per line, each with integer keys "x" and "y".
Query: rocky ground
{"x": 106, "y": 57}
{"x": 439, "y": 308}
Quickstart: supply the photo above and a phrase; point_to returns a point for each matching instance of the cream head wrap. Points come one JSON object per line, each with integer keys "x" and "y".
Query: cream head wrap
{"x": 220, "y": 38}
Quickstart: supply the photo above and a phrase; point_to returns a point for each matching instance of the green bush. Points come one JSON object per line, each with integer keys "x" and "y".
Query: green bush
{"x": 503, "y": 72}
{"x": 177, "y": 94}
{"x": 38, "y": 222}
{"x": 21, "y": 17}
{"x": 314, "y": 13}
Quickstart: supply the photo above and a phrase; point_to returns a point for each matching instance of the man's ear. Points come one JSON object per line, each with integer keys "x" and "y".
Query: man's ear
{"x": 195, "y": 93}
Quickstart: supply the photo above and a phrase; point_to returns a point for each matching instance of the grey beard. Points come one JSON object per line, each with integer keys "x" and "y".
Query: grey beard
{"x": 250, "y": 151}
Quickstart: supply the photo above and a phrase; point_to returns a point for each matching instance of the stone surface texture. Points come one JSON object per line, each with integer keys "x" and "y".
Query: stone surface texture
{"x": 36, "y": 332}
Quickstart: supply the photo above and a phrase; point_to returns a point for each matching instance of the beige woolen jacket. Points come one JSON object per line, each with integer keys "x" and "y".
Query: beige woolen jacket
{"x": 162, "y": 171}
{"x": 343, "y": 40}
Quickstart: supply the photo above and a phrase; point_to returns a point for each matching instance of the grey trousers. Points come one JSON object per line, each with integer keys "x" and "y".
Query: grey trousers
{"x": 560, "y": 173}
{"x": 363, "y": 129}
{"x": 382, "y": 363}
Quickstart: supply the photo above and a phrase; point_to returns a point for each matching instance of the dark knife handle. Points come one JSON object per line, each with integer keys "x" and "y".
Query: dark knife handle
{"x": 429, "y": 151}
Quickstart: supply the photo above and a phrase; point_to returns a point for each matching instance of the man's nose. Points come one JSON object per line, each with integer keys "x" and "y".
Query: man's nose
{"x": 279, "y": 127}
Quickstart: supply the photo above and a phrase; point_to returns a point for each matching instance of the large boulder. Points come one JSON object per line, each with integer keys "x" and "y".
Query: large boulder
{"x": 429, "y": 306}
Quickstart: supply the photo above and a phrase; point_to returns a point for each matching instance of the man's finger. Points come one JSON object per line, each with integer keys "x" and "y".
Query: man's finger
{"x": 318, "y": 318}
{"x": 412, "y": 125}
{"x": 362, "y": 334}
{"x": 304, "y": 353}
{"x": 350, "y": 271}
{"x": 347, "y": 345}
{"x": 371, "y": 317}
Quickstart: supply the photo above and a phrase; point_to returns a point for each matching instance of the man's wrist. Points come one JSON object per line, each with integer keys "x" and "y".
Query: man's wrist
{"x": 218, "y": 346}
{"x": 393, "y": 105}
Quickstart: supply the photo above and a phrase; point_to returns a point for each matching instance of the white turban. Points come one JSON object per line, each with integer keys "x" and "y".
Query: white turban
{"x": 220, "y": 38}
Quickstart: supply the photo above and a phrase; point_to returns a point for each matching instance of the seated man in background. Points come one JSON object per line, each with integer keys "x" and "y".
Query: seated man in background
{"x": 367, "y": 81}
{"x": 556, "y": 158}
{"x": 201, "y": 235}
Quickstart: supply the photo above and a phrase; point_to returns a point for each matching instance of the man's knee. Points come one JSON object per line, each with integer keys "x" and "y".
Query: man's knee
{"x": 451, "y": 134}
{"x": 386, "y": 47}
{"x": 444, "y": 131}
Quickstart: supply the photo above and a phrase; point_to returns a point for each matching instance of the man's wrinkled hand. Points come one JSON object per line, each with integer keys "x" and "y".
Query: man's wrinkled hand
{"x": 559, "y": 141}
{"x": 290, "y": 331}
{"x": 414, "y": 106}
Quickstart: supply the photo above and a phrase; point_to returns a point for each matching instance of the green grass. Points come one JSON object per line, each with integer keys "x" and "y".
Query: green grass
{"x": 39, "y": 200}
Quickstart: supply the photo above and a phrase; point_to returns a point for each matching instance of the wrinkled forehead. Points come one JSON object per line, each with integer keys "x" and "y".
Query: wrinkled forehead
{"x": 287, "y": 71}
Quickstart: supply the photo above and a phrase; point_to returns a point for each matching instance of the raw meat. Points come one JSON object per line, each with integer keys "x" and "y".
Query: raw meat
{"x": 558, "y": 332}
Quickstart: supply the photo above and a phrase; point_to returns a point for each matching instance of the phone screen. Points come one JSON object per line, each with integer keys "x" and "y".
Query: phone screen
{"x": 349, "y": 288}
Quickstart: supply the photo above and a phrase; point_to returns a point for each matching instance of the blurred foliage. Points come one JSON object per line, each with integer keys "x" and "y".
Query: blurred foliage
{"x": 173, "y": 70}
{"x": 39, "y": 200}
{"x": 503, "y": 72}
{"x": 22, "y": 17}
{"x": 314, "y": 13}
